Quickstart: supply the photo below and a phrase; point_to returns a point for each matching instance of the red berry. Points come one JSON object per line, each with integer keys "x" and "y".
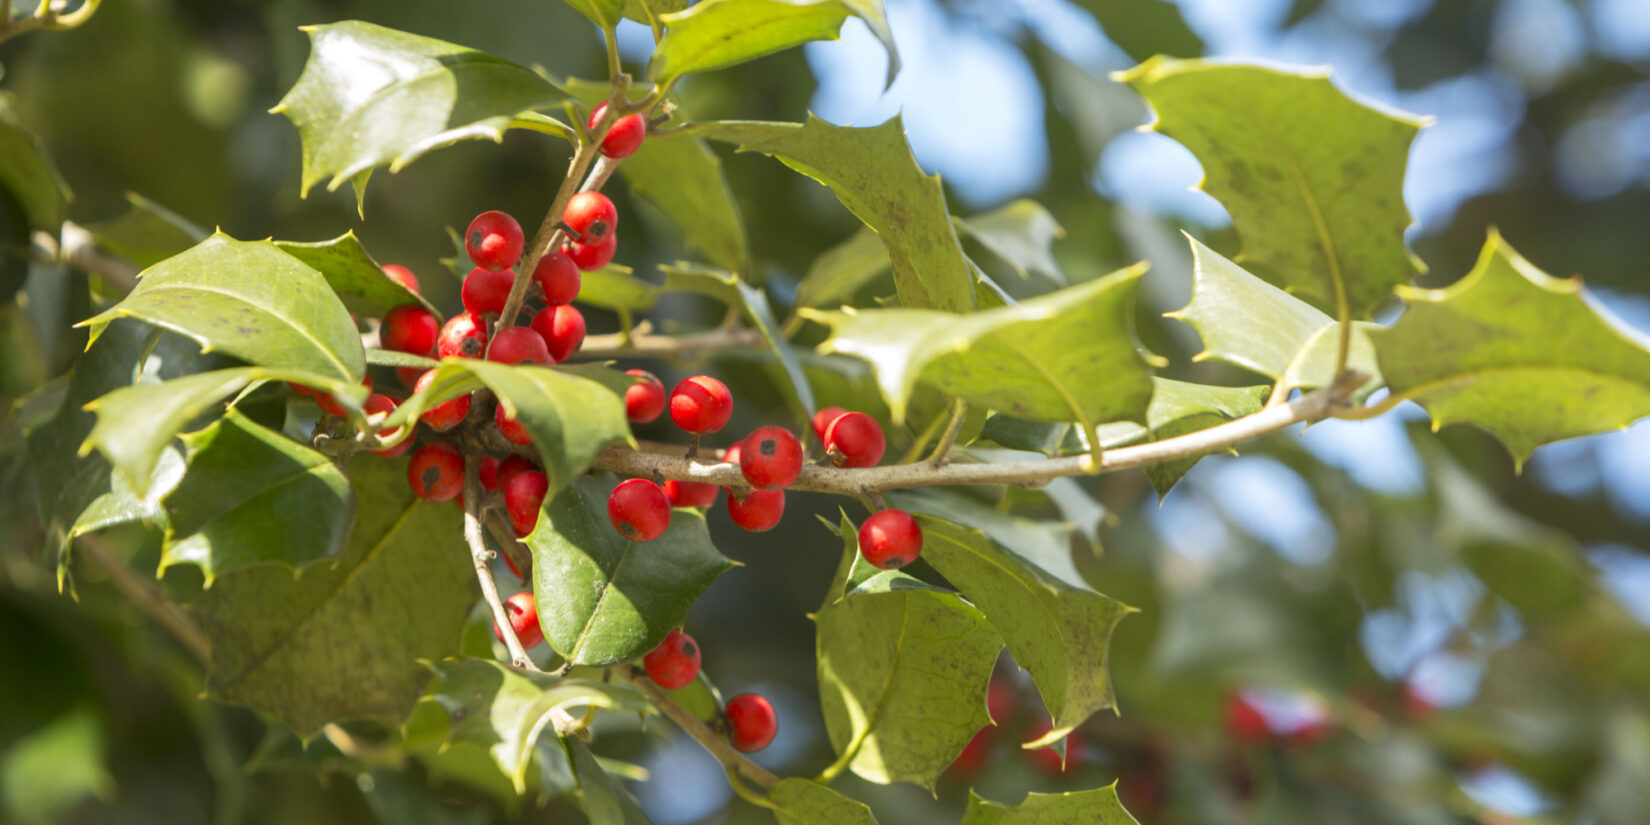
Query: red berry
{"x": 558, "y": 276}
{"x": 624, "y": 136}
{"x": 512, "y": 430}
{"x": 1000, "y": 700}
{"x": 409, "y": 328}
{"x": 376, "y": 404}
{"x": 856, "y": 440}
{"x": 674, "y": 663}
{"x": 1311, "y": 733}
{"x": 751, "y": 722}
{"x": 890, "y": 539}
{"x": 823, "y": 419}
{"x": 562, "y": 329}
{"x": 402, "y": 276}
{"x": 592, "y": 217}
{"x": 522, "y": 497}
{"x": 524, "y": 619}
{"x": 588, "y": 256}
{"x": 974, "y": 754}
{"x": 447, "y": 414}
{"x": 436, "y": 472}
{"x": 463, "y": 336}
{"x": 639, "y": 509}
{"x": 1244, "y": 720}
{"x": 701, "y": 404}
{"x": 509, "y": 562}
{"x": 332, "y": 405}
{"x": 494, "y": 240}
{"x": 518, "y": 345}
{"x": 690, "y": 493}
{"x": 301, "y": 389}
{"x": 488, "y": 473}
{"x": 511, "y": 465}
{"x": 645, "y": 399}
{"x": 487, "y": 290}
{"x": 409, "y": 375}
{"x": 758, "y": 511}
{"x": 771, "y": 458}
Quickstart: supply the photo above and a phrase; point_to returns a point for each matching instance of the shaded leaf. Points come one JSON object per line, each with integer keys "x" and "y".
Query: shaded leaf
{"x": 27, "y": 172}
{"x": 1096, "y": 806}
{"x": 125, "y": 505}
{"x": 614, "y": 287}
{"x": 801, "y": 802}
{"x": 1022, "y": 233}
{"x": 147, "y": 233}
{"x": 753, "y": 305}
{"x": 683, "y": 179}
{"x": 716, "y": 34}
{"x": 604, "y": 13}
{"x": 349, "y": 270}
{"x": 604, "y": 801}
{"x": 840, "y": 271}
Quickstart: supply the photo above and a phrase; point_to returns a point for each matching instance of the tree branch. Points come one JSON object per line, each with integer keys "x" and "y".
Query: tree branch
{"x": 651, "y": 345}
{"x": 693, "y": 726}
{"x": 142, "y": 594}
{"x": 78, "y": 250}
{"x": 484, "y": 572}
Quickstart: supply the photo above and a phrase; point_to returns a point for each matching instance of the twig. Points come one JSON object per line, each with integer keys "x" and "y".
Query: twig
{"x": 695, "y": 727}
{"x": 505, "y": 535}
{"x": 942, "y": 451}
{"x": 484, "y": 571}
{"x": 46, "y": 16}
{"x": 142, "y": 594}
{"x": 549, "y": 233}
{"x": 650, "y": 345}
{"x": 77, "y": 249}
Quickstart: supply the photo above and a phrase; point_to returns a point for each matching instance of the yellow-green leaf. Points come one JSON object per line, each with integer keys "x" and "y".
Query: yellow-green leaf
{"x": 1097, "y": 806}
{"x": 715, "y": 34}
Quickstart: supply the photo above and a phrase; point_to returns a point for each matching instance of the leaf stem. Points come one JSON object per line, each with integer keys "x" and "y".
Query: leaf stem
{"x": 927, "y": 435}
{"x": 707, "y": 736}
{"x": 648, "y": 345}
{"x": 480, "y": 555}
{"x": 942, "y": 450}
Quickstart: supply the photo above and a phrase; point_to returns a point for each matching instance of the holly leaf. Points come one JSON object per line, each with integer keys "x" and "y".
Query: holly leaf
{"x": 801, "y": 802}
{"x": 1144, "y": 28}
{"x": 1313, "y": 179}
{"x": 236, "y": 502}
{"x": 1059, "y": 633}
{"x": 371, "y": 96}
{"x": 1044, "y": 543}
{"x": 1517, "y": 352}
{"x": 649, "y": 11}
{"x": 27, "y": 172}
{"x": 842, "y": 270}
{"x": 604, "y": 801}
{"x": 604, "y": 599}
{"x": 903, "y": 668}
{"x": 298, "y": 648}
{"x": 349, "y": 270}
{"x": 716, "y": 34}
{"x": 124, "y": 504}
{"x": 1096, "y": 806}
{"x": 1068, "y": 355}
{"x": 507, "y": 711}
{"x": 1249, "y": 323}
{"x": 872, "y": 172}
{"x": 147, "y": 233}
{"x": 604, "y": 13}
{"x": 1021, "y": 233}
{"x": 614, "y": 287}
{"x": 683, "y": 178}
{"x": 251, "y": 300}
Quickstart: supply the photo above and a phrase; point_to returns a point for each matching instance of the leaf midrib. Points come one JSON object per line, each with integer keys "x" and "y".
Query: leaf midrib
{"x": 164, "y": 286}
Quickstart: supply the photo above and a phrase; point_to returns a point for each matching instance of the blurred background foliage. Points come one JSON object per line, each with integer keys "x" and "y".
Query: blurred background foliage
{"x": 1433, "y": 637}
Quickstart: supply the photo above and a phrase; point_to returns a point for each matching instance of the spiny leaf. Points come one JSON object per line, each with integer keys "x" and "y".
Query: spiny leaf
{"x": 716, "y": 34}
{"x": 604, "y": 599}
{"x": 801, "y": 802}
{"x": 1313, "y": 179}
{"x": 1044, "y": 543}
{"x": 251, "y": 300}
{"x": 683, "y": 179}
{"x": 604, "y": 801}
{"x": 1022, "y": 233}
{"x": 351, "y": 271}
{"x": 1065, "y": 356}
{"x": 1096, "y": 806}
{"x": 1517, "y": 352}
{"x": 371, "y": 96}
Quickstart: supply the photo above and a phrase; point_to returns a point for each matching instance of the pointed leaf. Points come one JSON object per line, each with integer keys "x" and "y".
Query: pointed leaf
{"x": 875, "y": 16}
{"x": 801, "y": 802}
{"x": 1065, "y": 356}
{"x": 1517, "y": 352}
{"x": 146, "y": 234}
{"x": 371, "y": 96}
{"x": 604, "y": 599}
{"x": 1022, "y": 234}
{"x": 604, "y": 13}
{"x": 840, "y": 271}
{"x": 753, "y": 303}
{"x": 1097, "y": 806}
{"x": 126, "y": 505}
{"x": 683, "y": 178}
{"x": 251, "y": 300}
{"x": 604, "y": 801}
{"x": 716, "y": 34}
{"x": 1059, "y": 633}
{"x": 296, "y": 647}
{"x": 1047, "y": 544}
{"x": 249, "y": 496}
{"x": 1313, "y": 179}
{"x": 351, "y": 271}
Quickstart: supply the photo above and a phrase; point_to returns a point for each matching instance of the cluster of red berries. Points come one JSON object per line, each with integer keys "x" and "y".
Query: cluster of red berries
{"x": 674, "y": 664}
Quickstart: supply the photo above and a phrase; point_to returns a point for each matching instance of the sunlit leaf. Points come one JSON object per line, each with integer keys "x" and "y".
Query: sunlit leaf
{"x": 716, "y": 34}
{"x": 351, "y": 271}
{"x": 604, "y": 801}
{"x": 1097, "y": 806}
{"x": 801, "y": 802}
{"x": 753, "y": 304}
{"x": 1022, "y": 233}
{"x": 683, "y": 179}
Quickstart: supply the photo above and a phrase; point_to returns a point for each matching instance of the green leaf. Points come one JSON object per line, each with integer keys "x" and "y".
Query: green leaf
{"x": 349, "y": 270}
{"x": 250, "y": 300}
{"x": 251, "y": 496}
{"x": 716, "y": 34}
{"x": 842, "y": 270}
{"x": 873, "y": 173}
{"x": 1022, "y": 233}
{"x": 1313, "y": 179}
{"x": 801, "y": 802}
{"x": 876, "y": 19}
{"x": 650, "y": 11}
{"x": 1068, "y": 355}
{"x": 55, "y": 765}
{"x": 1096, "y": 806}
{"x": 1145, "y": 28}
{"x": 1517, "y": 352}
{"x": 318, "y": 647}
{"x": 124, "y": 504}
{"x": 371, "y": 96}
{"x": 683, "y": 178}
{"x": 604, "y": 13}
{"x": 699, "y": 697}
{"x": 507, "y": 710}
{"x": 147, "y": 233}
{"x": 1059, "y": 633}
{"x": 753, "y": 304}
{"x": 604, "y": 801}
{"x": 391, "y": 358}
{"x": 903, "y": 668}
{"x": 1044, "y": 543}
{"x": 614, "y": 287}
{"x": 1179, "y": 408}
{"x": 1249, "y": 323}
{"x": 604, "y": 599}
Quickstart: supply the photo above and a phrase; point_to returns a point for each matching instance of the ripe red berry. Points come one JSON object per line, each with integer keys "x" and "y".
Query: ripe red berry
{"x": 751, "y": 722}
{"x": 701, "y": 404}
{"x": 690, "y": 493}
{"x": 562, "y": 328}
{"x": 512, "y": 430}
{"x": 674, "y": 663}
{"x": 1244, "y": 720}
{"x": 487, "y": 290}
{"x": 522, "y": 497}
{"x": 524, "y": 619}
{"x": 639, "y": 509}
{"x": 823, "y": 420}
{"x": 1000, "y": 700}
{"x": 409, "y": 328}
{"x": 436, "y": 472}
{"x": 463, "y": 336}
{"x": 592, "y": 217}
{"x": 558, "y": 276}
{"x": 758, "y": 511}
{"x": 974, "y": 755}
{"x": 332, "y": 405}
{"x": 402, "y": 276}
{"x": 488, "y": 473}
{"x": 771, "y": 458}
{"x": 644, "y": 400}
{"x": 511, "y": 465}
{"x": 494, "y": 240}
{"x": 409, "y": 375}
{"x": 382, "y": 404}
{"x": 890, "y": 539}
{"x": 518, "y": 345}
{"x": 447, "y": 414}
{"x": 301, "y": 389}
{"x": 855, "y": 440}
{"x": 588, "y": 256}
{"x": 624, "y": 136}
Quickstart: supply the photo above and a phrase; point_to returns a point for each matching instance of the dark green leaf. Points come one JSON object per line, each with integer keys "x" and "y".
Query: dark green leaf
{"x": 604, "y": 801}
{"x": 800, "y": 802}
{"x": 27, "y": 172}
{"x": 840, "y": 271}
{"x": 753, "y": 304}
{"x": 684, "y": 179}
{"x": 1097, "y": 806}
{"x": 351, "y": 271}
{"x": 146, "y": 234}
{"x": 715, "y": 34}
{"x": 1022, "y": 233}
{"x": 614, "y": 287}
